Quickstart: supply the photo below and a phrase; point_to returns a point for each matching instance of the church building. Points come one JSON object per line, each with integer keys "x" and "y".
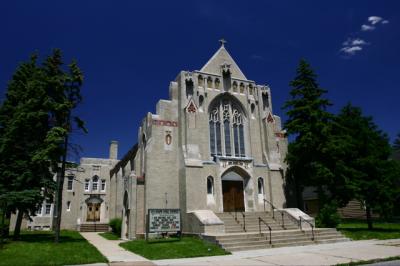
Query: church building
{"x": 214, "y": 146}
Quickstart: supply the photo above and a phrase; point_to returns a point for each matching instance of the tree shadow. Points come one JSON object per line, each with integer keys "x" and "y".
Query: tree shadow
{"x": 379, "y": 230}
{"x": 45, "y": 237}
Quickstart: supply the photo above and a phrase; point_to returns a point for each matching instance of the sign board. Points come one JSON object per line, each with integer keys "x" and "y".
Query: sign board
{"x": 164, "y": 220}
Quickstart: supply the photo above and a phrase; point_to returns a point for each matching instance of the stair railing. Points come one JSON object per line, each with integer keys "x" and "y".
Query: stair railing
{"x": 273, "y": 213}
{"x": 273, "y": 208}
{"x": 312, "y": 226}
{"x": 244, "y": 221}
{"x": 260, "y": 220}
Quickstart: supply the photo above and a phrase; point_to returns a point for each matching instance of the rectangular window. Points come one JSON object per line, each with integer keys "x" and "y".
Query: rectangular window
{"x": 212, "y": 138}
{"x": 227, "y": 131}
{"x": 95, "y": 185}
{"x": 236, "y": 140}
{"x": 87, "y": 184}
{"x": 70, "y": 182}
{"x": 218, "y": 137}
{"x": 68, "y": 206}
{"x": 47, "y": 209}
{"x": 39, "y": 211}
{"x": 241, "y": 138}
{"x": 103, "y": 185}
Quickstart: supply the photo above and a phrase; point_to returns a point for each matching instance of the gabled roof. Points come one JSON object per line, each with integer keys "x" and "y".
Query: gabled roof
{"x": 221, "y": 57}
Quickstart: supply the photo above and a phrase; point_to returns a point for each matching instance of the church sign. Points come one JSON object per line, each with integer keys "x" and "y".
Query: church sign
{"x": 164, "y": 220}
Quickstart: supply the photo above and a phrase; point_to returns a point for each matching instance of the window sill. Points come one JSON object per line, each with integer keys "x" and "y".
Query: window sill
{"x": 229, "y": 158}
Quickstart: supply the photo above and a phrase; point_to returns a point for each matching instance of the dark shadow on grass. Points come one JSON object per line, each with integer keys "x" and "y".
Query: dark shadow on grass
{"x": 160, "y": 241}
{"x": 380, "y": 230}
{"x": 45, "y": 237}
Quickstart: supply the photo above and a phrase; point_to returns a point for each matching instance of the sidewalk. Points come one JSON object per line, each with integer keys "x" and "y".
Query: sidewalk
{"x": 322, "y": 254}
{"x": 115, "y": 254}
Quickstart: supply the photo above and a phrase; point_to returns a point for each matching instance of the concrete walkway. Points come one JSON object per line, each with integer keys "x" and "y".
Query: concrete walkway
{"x": 115, "y": 254}
{"x": 322, "y": 254}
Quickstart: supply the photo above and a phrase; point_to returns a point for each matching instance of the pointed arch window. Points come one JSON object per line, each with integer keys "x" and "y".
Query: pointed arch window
{"x": 210, "y": 185}
{"x": 260, "y": 186}
{"x": 226, "y": 122}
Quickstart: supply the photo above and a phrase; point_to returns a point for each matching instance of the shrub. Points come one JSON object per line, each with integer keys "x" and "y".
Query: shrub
{"x": 328, "y": 216}
{"x": 115, "y": 225}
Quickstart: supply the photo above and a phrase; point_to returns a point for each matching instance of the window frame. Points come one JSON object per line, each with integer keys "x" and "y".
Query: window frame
{"x": 210, "y": 180}
{"x": 227, "y": 135}
{"x": 262, "y": 186}
{"x": 103, "y": 185}
{"x": 45, "y": 209}
{"x": 70, "y": 183}
{"x": 87, "y": 185}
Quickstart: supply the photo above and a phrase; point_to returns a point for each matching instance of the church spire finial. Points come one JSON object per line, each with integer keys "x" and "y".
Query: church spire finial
{"x": 222, "y": 42}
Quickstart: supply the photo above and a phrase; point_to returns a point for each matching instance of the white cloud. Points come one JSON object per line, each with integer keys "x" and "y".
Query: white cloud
{"x": 352, "y": 50}
{"x": 354, "y": 45}
{"x": 374, "y": 19}
{"x": 367, "y": 27}
{"x": 354, "y": 42}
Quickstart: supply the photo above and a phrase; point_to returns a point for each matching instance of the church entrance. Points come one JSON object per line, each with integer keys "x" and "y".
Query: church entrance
{"x": 233, "y": 197}
{"x": 93, "y": 208}
{"x": 93, "y": 212}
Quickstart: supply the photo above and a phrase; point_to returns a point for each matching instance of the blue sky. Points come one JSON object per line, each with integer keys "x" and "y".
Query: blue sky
{"x": 129, "y": 51}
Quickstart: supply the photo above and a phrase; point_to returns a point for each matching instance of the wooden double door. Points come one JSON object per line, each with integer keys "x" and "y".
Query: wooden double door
{"x": 233, "y": 196}
{"x": 93, "y": 212}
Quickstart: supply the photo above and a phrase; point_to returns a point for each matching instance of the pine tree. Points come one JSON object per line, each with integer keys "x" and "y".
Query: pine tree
{"x": 35, "y": 122}
{"x": 308, "y": 121}
{"x": 396, "y": 144}
{"x": 24, "y": 126}
{"x": 64, "y": 87}
{"x": 369, "y": 174}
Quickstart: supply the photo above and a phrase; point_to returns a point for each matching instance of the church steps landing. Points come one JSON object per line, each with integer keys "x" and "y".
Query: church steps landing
{"x": 98, "y": 227}
{"x": 236, "y": 239}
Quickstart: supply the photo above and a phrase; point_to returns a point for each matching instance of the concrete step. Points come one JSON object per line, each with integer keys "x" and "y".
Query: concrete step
{"x": 94, "y": 227}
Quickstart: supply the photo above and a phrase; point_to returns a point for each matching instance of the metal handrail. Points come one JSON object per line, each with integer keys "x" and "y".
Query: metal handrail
{"x": 273, "y": 207}
{"x": 273, "y": 212}
{"x": 269, "y": 228}
{"x": 312, "y": 226}
{"x": 244, "y": 221}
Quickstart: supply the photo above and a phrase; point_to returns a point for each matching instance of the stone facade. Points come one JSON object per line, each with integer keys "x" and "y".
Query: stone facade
{"x": 215, "y": 145}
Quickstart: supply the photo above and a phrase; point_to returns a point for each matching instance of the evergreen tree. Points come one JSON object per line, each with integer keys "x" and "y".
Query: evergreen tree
{"x": 396, "y": 144}
{"x": 64, "y": 86}
{"x": 35, "y": 121}
{"x": 369, "y": 174}
{"x": 24, "y": 127}
{"x": 308, "y": 121}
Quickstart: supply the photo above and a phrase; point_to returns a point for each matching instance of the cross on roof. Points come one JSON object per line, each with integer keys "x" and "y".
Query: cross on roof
{"x": 222, "y": 42}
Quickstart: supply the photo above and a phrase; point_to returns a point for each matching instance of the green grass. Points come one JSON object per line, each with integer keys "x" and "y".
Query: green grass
{"x": 358, "y": 230}
{"x": 174, "y": 248}
{"x": 37, "y": 248}
{"x": 110, "y": 236}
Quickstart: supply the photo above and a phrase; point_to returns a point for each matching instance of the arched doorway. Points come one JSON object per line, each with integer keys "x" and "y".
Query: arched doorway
{"x": 93, "y": 208}
{"x": 233, "y": 191}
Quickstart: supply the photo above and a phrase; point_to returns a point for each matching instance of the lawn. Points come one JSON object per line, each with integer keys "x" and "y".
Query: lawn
{"x": 37, "y": 248}
{"x": 110, "y": 236}
{"x": 173, "y": 248}
{"x": 358, "y": 230}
